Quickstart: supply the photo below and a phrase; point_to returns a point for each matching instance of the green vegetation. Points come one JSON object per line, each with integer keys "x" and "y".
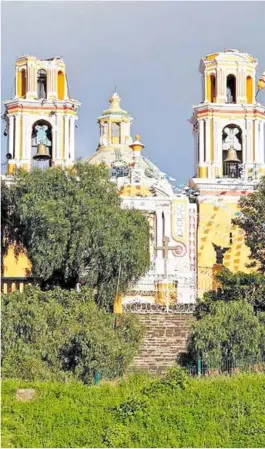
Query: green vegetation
{"x": 229, "y": 334}
{"x": 74, "y": 231}
{"x": 138, "y": 412}
{"x": 252, "y": 221}
{"x": 230, "y": 327}
{"x": 63, "y": 335}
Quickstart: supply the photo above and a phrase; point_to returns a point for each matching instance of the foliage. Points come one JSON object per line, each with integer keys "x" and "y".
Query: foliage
{"x": 211, "y": 412}
{"x": 252, "y": 221}
{"x": 62, "y": 334}
{"x": 229, "y": 331}
{"x": 233, "y": 287}
{"x": 74, "y": 231}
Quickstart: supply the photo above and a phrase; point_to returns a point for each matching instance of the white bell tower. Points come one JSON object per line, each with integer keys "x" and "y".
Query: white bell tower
{"x": 228, "y": 125}
{"x": 40, "y": 118}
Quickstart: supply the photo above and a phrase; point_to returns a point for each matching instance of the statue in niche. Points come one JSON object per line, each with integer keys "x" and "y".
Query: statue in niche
{"x": 231, "y": 139}
{"x": 219, "y": 251}
{"x": 41, "y": 136}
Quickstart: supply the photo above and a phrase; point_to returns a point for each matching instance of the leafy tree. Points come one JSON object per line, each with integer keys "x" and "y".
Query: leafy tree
{"x": 74, "y": 231}
{"x": 252, "y": 221}
{"x": 233, "y": 287}
{"x": 62, "y": 334}
{"x": 228, "y": 332}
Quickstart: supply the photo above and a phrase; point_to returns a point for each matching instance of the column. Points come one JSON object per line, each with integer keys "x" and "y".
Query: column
{"x": 17, "y": 136}
{"x": 25, "y": 136}
{"x": 256, "y": 155}
{"x": 109, "y": 132}
{"x": 196, "y": 155}
{"x": 201, "y": 142}
{"x": 207, "y": 140}
{"x": 72, "y": 139}
{"x": 59, "y": 140}
{"x": 66, "y": 138}
{"x": 262, "y": 155}
{"x": 11, "y": 148}
{"x": 167, "y": 217}
{"x": 159, "y": 236}
{"x": 249, "y": 141}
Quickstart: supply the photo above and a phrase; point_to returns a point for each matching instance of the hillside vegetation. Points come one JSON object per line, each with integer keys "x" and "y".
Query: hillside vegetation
{"x": 176, "y": 411}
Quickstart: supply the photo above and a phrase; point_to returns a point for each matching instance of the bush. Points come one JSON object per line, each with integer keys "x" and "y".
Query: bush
{"x": 229, "y": 333}
{"x": 211, "y": 412}
{"x": 63, "y": 335}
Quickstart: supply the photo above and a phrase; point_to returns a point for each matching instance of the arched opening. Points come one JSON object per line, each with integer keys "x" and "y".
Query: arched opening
{"x": 213, "y": 88}
{"x": 115, "y": 133}
{"x": 42, "y": 84}
{"x": 41, "y": 144}
{"x": 231, "y": 89}
{"x": 232, "y": 154}
{"x": 23, "y": 83}
{"x": 249, "y": 89}
{"x": 60, "y": 85}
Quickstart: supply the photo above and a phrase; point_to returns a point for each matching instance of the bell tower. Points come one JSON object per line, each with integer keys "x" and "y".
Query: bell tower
{"x": 40, "y": 118}
{"x": 228, "y": 130}
{"x": 228, "y": 125}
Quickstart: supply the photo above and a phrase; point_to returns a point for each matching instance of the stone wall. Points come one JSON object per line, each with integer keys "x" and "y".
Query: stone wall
{"x": 165, "y": 339}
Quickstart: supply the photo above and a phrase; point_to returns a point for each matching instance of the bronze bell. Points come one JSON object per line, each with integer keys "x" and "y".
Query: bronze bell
{"x": 232, "y": 156}
{"x": 42, "y": 153}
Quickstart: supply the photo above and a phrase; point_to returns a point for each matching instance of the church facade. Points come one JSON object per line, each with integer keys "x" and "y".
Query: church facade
{"x": 172, "y": 218}
{"x": 190, "y": 239}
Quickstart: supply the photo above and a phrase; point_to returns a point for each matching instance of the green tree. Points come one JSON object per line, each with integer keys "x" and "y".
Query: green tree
{"x": 61, "y": 334}
{"x": 233, "y": 287}
{"x": 229, "y": 332}
{"x": 74, "y": 231}
{"x": 252, "y": 221}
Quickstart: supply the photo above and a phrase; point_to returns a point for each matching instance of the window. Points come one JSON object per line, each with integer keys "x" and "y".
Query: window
{"x": 231, "y": 89}
{"x": 42, "y": 84}
{"x": 60, "y": 85}
{"x": 213, "y": 89}
{"x": 249, "y": 89}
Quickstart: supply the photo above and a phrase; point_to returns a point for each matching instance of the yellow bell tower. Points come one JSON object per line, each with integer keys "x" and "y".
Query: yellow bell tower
{"x": 40, "y": 118}
{"x": 228, "y": 129}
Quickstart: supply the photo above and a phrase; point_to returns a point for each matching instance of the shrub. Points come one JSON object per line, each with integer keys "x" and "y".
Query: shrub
{"x": 61, "y": 334}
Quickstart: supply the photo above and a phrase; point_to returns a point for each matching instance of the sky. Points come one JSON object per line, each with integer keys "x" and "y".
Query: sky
{"x": 149, "y": 50}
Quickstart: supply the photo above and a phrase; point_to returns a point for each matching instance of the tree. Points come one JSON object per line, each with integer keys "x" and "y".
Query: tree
{"x": 71, "y": 224}
{"x": 235, "y": 287}
{"x": 61, "y": 334}
{"x": 252, "y": 221}
{"x": 228, "y": 333}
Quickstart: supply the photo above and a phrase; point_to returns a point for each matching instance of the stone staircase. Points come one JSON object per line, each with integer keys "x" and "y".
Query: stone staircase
{"x": 165, "y": 339}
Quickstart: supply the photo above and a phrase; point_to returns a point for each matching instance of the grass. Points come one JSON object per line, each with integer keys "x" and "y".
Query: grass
{"x": 209, "y": 412}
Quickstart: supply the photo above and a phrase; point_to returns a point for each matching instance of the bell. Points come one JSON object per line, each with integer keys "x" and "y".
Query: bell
{"x": 232, "y": 156}
{"x": 42, "y": 153}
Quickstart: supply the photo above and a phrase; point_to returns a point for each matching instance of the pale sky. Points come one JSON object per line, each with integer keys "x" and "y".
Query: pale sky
{"x": 149, "y": 50}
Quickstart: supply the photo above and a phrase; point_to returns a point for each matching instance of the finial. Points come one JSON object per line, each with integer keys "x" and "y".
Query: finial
{"x": 137, "y": 145}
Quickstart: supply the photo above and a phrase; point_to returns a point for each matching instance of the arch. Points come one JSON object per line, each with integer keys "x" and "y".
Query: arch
{"x": 115, "y": 132}
{"x": 22, "y": 83}
{"x": 42, "y": 84}
{"x": 60, "y": 85}
{"x": 249, "y": 89}
{"x": 212, "y": 88}
{"x": 232, "y": 139}
{"x": 231, "y": 89}
{"x": 47, "y": 140}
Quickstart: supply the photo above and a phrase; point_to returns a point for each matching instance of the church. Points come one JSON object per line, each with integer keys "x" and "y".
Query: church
{"x": 191, "y": 234}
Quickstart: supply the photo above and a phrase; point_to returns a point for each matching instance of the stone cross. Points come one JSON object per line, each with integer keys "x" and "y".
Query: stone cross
{"x": 165, "y": 247}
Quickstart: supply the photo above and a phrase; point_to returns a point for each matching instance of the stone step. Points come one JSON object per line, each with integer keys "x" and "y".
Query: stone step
{"x": 165, "y": 338}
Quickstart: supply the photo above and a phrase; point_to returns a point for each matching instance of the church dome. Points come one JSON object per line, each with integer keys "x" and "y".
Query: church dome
{"x": 133, "y": 173}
